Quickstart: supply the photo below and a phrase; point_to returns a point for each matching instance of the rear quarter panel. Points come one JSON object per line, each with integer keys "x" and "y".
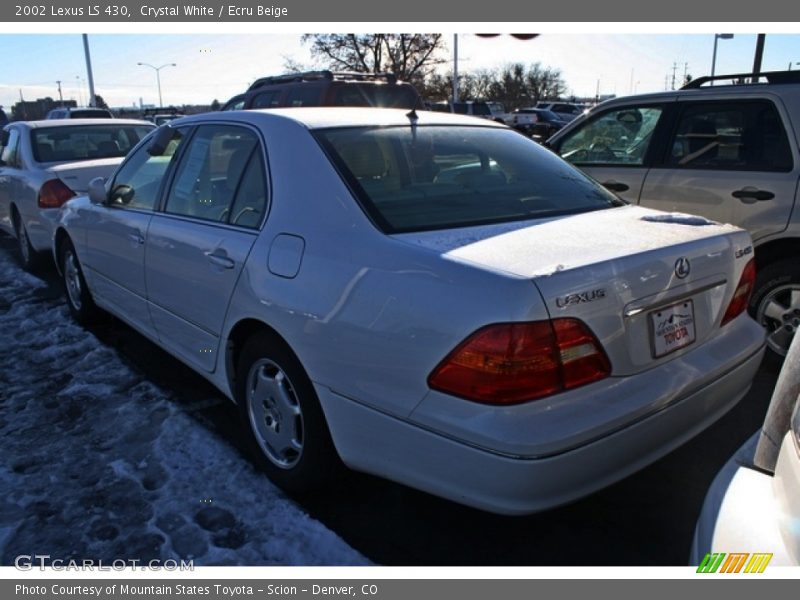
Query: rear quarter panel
{"x": 368, "y": 316}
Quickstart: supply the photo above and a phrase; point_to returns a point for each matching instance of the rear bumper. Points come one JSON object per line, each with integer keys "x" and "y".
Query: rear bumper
{"x": 41, "y": 227}
{"x": 371, "y": 441}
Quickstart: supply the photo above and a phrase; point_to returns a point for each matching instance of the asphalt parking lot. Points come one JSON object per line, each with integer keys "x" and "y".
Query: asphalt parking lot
{"x": 647, "y": 519}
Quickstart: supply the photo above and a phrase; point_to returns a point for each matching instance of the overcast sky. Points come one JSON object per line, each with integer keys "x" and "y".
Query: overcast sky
{"x": 219, "y": 65}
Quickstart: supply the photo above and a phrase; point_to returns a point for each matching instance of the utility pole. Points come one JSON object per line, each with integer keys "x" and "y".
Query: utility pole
{"x": 60, "y": 96}
{"x": 685, "y": 72}
{"x": 92, "y": 101}
{"x": 674, "y": 68}
{"x": 455, "y": 68}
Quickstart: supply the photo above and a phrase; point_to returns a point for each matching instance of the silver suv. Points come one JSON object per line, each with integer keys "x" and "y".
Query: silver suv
{"x": 728, "y": 152}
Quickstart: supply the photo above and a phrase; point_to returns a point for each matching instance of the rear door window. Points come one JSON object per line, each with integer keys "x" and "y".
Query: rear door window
{"x": 267, "y": 99}
{"x": 10, "y": 154}
{"x": 742, "y": 136}
{"x": 220, "y": 177}
{"x": 302, "y": 95}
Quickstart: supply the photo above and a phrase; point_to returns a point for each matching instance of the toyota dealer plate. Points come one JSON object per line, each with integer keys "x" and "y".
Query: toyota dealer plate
{"x": 672, "y": 327}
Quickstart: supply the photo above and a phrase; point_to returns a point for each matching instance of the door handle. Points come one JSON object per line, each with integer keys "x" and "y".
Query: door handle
{"x": 220, "y": 260}
{"x": 750, "y": 195}
{"x": 136, "y": 238}
{"x": 615, "y": 186}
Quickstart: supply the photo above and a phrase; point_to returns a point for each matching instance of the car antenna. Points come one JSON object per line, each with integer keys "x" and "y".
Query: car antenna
{"x": 413, "y": 118}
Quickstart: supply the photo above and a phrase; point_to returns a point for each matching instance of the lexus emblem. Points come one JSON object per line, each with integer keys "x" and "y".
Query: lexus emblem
{"x": 682, "y": 267}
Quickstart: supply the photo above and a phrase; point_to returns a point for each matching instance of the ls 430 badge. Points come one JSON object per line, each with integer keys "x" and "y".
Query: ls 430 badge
{"x": 580, "y": 298}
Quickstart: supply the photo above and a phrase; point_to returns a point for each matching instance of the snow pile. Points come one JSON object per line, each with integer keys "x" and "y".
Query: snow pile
{"x": 99, "y": 463}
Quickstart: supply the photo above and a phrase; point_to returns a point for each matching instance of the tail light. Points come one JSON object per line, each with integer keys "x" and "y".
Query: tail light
{"x": 509, "y": 363}
{"x": 54, "y": 193}
{"x": 741, "y": 296}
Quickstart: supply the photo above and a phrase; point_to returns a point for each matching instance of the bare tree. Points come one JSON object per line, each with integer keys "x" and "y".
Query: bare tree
{"x": 412, "y": 57}
{"x": 518, "y": 85}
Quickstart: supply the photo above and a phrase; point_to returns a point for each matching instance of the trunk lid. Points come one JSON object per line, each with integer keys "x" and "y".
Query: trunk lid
{"x": 650, "y": 285}
{"x": 77, "y": 175}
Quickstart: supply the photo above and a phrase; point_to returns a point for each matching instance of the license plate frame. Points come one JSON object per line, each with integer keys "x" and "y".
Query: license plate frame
{"x": 672, "y": 328}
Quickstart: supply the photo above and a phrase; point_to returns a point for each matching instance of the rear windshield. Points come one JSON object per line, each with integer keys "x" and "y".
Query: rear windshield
{"x": 440, "y": 177}
{"x": 85, "y": 142}
{"x": 377, "y": 95}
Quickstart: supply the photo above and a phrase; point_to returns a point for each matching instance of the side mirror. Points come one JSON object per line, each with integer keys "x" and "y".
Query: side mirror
{"x": 97, "y": 191}
{"x": 122, "y": 194}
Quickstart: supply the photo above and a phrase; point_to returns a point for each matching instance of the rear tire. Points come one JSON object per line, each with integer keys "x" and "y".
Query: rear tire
{"x": 29, "y": 258}
{"x": 281, "y": 415}
{"x": 79, "y": 299}
{"x": 775, "y": 304}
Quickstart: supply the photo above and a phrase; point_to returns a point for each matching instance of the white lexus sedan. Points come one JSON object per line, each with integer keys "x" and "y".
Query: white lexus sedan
{"x": 428, "y": 297}
{"x": 45, "y": 163}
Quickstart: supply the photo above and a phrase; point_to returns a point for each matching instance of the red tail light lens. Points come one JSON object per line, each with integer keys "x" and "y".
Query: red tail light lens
{"x": 509, "y": 363}
{"x": 742, "y": 294}
{"x": 54, "y": 193}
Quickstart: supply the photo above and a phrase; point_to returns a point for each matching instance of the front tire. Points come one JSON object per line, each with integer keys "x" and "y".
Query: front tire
{"x": 775, "y": 304}
{"x": 279, "y": 410}
{"x": 79, "y": 299}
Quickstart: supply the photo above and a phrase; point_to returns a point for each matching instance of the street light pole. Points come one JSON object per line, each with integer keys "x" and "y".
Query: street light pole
{"x": 717, "y": 36}
{"x": 158, "y": 77}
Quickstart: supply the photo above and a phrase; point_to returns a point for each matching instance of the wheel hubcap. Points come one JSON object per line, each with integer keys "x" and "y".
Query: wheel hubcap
{"x": 779, "y": 313}
{"x": 274, "y": 413}
{"x": 72, "y": 279}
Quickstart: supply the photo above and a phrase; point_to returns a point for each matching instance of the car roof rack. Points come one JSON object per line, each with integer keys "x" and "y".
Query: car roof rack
{"x": 746, "y": 79}
{"x": 323, "y": 75}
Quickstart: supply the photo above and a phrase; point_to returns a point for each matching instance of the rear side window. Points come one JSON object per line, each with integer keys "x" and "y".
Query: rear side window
{"x": 435, "y": 177}
{"x": 11, "y": 150}
{"x": 267, "y": 99}
{"x": 85, "y": 142}
{"x": 377, "y": 95}
{"x": 742, "y": 136}
{"x": 220, "y": 177}
{"x": 304, "y": 96}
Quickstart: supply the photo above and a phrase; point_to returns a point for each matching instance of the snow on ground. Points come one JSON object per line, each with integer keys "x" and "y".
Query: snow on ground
{"x": 99, "y": 463}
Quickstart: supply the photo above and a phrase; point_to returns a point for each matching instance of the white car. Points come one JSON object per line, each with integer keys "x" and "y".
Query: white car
{"x": 753, "y": 505}
{"x": 428, "y": 297}
{"x": 45, "y": 163}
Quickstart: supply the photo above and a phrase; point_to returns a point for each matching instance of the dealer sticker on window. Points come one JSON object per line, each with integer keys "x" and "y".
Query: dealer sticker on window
{"x": 672, "y": 327}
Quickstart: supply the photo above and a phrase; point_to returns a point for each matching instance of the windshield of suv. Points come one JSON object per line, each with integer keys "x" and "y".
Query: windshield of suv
{"x": 377, "y": 95}
{"x": 85, "y": 142}
{"x": 440, "y": 177}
